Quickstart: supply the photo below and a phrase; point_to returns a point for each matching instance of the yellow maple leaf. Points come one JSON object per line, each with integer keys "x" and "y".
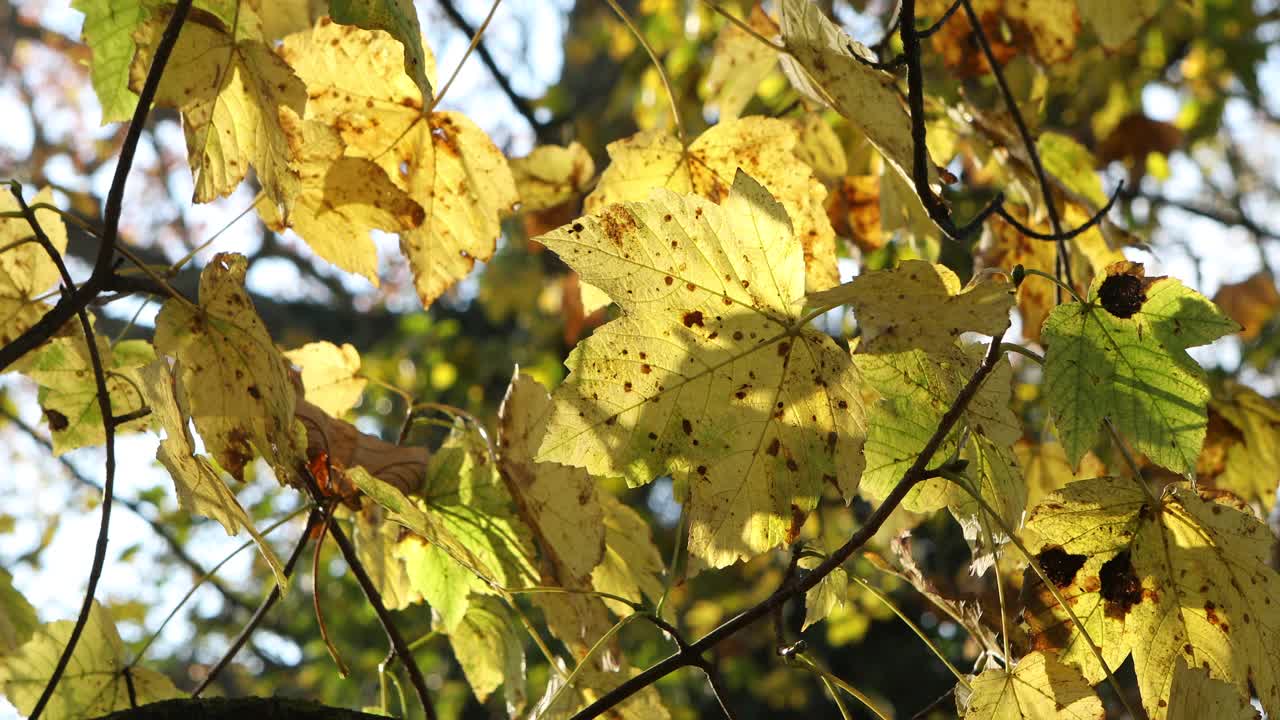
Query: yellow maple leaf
{"x": 1037, "y": 688}
{"x": 440, "y": 159}
{"x": 330, "y": 375}
{"x": 551, "y": 175}
{"x": 233, "y": 379}
{"x": 823, "y": 67}
{"x": 710, "y": 375}
{"x": 921, "y": 305}
{"x": 340, "y": 199}
{"x": 762, "y": 147}
{"x": 739, "y": 62}
{"x": 200, "y": 488}
{"x": 26, "y": 271}
{"x": 229, "y": 85}
{"x": 1183, "y": 576}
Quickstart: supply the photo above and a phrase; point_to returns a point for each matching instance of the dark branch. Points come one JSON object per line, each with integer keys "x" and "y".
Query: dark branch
{"x": 1054, "y": 237}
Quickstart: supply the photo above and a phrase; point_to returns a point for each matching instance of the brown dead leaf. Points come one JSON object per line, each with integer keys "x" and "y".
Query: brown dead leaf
{"x": 1251, "y": 303}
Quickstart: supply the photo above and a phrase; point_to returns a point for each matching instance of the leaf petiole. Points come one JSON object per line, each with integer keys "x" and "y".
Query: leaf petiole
{"x": 1070, "y": 290}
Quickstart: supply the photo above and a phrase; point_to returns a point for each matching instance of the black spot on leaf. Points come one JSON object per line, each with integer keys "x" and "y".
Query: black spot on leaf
{"x": 1121, "y": 588}
{"x": 1060, "y": 565}
{"x": 57, "y": 421}
{"x": 691, "y": 318}
{"x": 1122, "y": 295}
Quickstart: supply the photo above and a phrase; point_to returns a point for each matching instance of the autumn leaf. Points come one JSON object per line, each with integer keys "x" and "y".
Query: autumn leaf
{"x": 490, "y": 650}
{"x": 1122, "y": 355}
{"x": 376, "y": 539}
{"x": 18, "y": 620}
{"x": 920, "y": 305}
{"x": 1251, "y": 303}
{"x": 330, "y": 375}
{"x": 339, "y": 200}
{"x": 709, "y": 375}
{"x": 825, "y": 597}
{"x": 26, "y": 271}
{"x": 551, "y": 175}
{"x": 822, "y": 66}
{"x": 1195, "y": 695}
{"x": 229, "y": 85}
{"x": 1036, "y": 688}
{"x": 761, "y": 147}
{"x": 1242, "y": 445}
{"x": 201, "y": 490}
{"x": 441, "y": 159}
{"x": 95, "y": 680}
{"x": 1045, "y": 467}
{"x": 739, "y": 62}
{"x": 235, "y": 383}
{"x": 1183, "y": 576}
{"x": 399, "y": 18}
{"x": 69, "y": 392}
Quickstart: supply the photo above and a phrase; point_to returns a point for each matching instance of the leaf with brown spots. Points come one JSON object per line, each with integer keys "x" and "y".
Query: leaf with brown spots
{"x": 235, "y": 383}
{"x": 920, "y": 305}
{"x": 229, "y": 85}
{"x": 551, "y": 175}
{"x": 721, "y": 370}
{"x": 763, "y": 148}
{"x": 69, "y": 393}
{"x": 201, "y": 489}
{"x": 739, "y": 62}
{"x": 340, "y": 199}
{"x": 1185, "y": 577}
{"x": 1123, "y": 355}
{"x": 441, "y": 160}
{"x": 399, "y": 18}
{"x": 1244, "y": 436}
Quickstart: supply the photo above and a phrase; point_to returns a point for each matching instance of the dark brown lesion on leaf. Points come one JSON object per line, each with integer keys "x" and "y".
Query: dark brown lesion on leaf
{"x": 1059, "y": 565}
{"x": 1124, "y": 291}
{"x": 691, "y": 318}
{"x": 1121, "y": 589}
{"x": 57, "y": 421}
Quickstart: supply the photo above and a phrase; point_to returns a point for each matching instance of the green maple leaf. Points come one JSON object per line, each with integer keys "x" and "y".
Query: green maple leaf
{"x": 709, "y": 375}
{"x": 1186, "y": 576}
{"x": 1122, "y": 355}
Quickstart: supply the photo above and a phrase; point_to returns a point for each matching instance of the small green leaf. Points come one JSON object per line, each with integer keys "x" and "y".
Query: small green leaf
{"x": 108, "y": 31}
{"x": 489, "y": 649}
{"x": 1122, "y": 355}
{"x": 17, "y": 617}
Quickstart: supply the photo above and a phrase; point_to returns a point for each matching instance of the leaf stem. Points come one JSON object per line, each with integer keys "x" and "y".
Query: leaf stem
{"x": 1056, "y": 281}
{"x": 1024, "y": 351}
{"x": 595, "y": 647}
{"x": 657, "y": 65}
{"x": 834, "y": 679}
{"x": 914, "y": 628}
{"x": 475, "y": 40}
{"x": 1129, "y": 460}
{"x": 744, "y": 27}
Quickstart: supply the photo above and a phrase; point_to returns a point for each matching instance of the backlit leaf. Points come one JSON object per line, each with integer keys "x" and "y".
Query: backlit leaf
{"x": 330, "y": 375}
{"x": 229, "y": 86}
{"x": 738, "y": 63}
{"x": 1196, "y": 695}
{"x": 551, "y": 175}
{"x": 489, "y": 648}
{"x": 69, "y": 392}
{"x": 93, "y": 684}
{"x": 1117, "y": 22}
{"x": 233, "y": 381}
{"x": 201, "y": 490}
{"x": 17, "y": 618}
{"x": 26, "y": 271}
{"x": 108, "y": 31}
{"x": 1185, "y": 577}
{"x": 1122, "y": 355}
{"x": 828, "y": 71}
{"x": 400, "y": 19}
{"x": 761, "y": 147}
{"x": 340, "y": 199}
{"x": 441, "y": 160}
{"x": 1037, "y": 688}
{"x": 708, "y": 376}
{"x": 1244, "y": 429}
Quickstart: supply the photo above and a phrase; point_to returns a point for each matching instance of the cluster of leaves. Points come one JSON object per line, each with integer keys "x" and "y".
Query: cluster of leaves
{"x": 714, "y": 256}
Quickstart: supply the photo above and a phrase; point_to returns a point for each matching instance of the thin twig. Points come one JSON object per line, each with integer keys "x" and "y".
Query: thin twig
{"x": 394, "y": 638}
{"x": 1064, "y": 260}
{"x": 917, "y": 473}
{"x": 267, "y": 603}
{"x": 109, "y": 466}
